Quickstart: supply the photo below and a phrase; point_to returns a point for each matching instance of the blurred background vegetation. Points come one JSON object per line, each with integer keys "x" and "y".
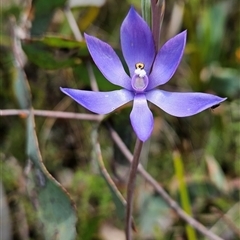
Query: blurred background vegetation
{"x": 209, "y": 143}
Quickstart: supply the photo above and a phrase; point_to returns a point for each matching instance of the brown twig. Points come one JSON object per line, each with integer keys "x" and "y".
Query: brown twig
{"x": 131, "y": 186}
{"x": 52, "y": 114}
{"x": 191, "y": 221}
{"x": 105, "y": 172}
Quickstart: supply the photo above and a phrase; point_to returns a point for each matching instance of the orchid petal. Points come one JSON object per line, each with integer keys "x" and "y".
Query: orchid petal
{"x": 141, "y": 117}
{"x": 137, "y": 42}
{"x": 99, "y": 102}
{"x": 167, "y": 60}
{"x": 183, "y": 104}
{"x": 108, "y": 62}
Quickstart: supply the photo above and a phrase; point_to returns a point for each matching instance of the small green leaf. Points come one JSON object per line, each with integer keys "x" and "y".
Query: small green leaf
{"x": 59, "y": 42}
{"x": 54, "y": 207}
{"x": 154, "y": 212}
{"x": 21, "y": 88}
{"x": 49, "y": 57}
{"x": 216, "y": 174}
{"x": 43, "y": 11}
{"x": 225, "y": 81}
{"x": 53, "y": 52}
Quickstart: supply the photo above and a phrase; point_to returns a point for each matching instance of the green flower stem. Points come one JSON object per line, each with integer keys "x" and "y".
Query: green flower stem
{"x": 179, "y": 170}
{"x": 146, "y": 11}
{"x": 153, "y": 13}
{"x": 131, "y": 186}
{"x": 158, "y": 8}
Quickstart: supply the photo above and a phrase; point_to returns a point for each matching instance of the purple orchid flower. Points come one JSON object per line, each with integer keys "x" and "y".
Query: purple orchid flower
{"x": 147, "y": 71}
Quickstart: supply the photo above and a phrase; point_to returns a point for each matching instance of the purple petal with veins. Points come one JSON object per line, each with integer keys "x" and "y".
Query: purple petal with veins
{"x": 167, "y": 60}
{"x": 182, "y": 104}
{"x": 137, "y": 42}
{"x": 108, "y": 62}
{"x": 141, "y": 117}
{"x": 100, "y": 102}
